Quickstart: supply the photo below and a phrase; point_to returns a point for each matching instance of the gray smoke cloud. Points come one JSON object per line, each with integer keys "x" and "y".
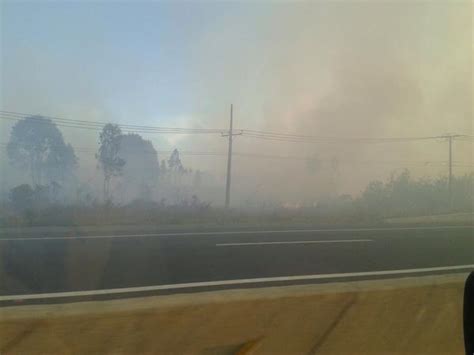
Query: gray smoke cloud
{"x": 340, "y": 69}
{"x": 330, "y": 69}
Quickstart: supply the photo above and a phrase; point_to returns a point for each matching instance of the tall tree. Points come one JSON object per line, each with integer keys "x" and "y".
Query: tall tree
{"x": 36, "y": 144}
{"x": 21, "y": 197}
{"x": 60, "y": 160}
{"x": 140, "y": 174}
{"x": 108, "y": 156}
{"x": 175, "y": 167}
{"x": 175, "y": 172}
{"x": 174, "y": 162}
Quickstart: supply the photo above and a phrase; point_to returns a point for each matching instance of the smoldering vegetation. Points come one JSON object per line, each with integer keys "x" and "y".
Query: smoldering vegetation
{"x": 134, "y": 187}
{"x": 348, "y": 74}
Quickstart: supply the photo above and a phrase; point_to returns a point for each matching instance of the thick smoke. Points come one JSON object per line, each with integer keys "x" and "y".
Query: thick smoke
{"x": 329, "y": 69}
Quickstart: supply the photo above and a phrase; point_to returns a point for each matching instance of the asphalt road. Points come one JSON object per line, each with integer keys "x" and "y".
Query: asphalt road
{"x": 62, "y": 265}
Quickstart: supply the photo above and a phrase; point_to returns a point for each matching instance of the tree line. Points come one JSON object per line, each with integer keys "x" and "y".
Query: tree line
{"x": 37, "y": 147}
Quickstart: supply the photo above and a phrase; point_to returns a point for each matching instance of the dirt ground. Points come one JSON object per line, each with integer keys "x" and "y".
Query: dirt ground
{"x": 407, "y": 316}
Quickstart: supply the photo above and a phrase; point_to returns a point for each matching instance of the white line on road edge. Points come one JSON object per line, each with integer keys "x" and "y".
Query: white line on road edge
{"x": 184, "y": 234}
{"x": 232, "y": 282}
{"x": 296, "y": 242}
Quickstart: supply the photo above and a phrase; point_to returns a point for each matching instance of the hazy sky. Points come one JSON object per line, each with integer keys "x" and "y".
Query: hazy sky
{"x": 344, "y": 69}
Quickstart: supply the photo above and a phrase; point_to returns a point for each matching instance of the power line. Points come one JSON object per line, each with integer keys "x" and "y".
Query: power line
{"x": 255, "y": 134}
{"x": 167, "y": 130}
{"x": 297, "y": 158}
{"x": 465, "y": 138}
{"x": 101, "y": 124}
{"x": 70, "y": 123}
{"x": 92, "y": 151}
{"x": 336, "y": 140}
{"x": 298, "y": 137}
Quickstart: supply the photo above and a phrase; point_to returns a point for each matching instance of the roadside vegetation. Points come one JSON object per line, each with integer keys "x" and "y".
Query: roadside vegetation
{"x": 400, "y": 196}
{"x": 133, "y": 187}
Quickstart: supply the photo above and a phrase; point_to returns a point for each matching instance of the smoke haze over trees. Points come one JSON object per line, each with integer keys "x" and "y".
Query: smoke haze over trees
{"x": 37, "y": 146}
{"x": 140, "y": 174}
{"x": 350, "y": 75}
{"x": 108, "y": 156}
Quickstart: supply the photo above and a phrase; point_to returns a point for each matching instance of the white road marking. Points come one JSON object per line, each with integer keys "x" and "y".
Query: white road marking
{"x": 232, "y": 282}
{"x": 296, "y": 242}
{"x": 184, "y": 234}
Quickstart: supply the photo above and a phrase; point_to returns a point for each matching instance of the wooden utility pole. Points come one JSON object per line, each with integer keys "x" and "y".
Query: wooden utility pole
{"x": 450, "y": 138}
{"x": 229, "y": 161}
{"x": 450, "y": 176}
